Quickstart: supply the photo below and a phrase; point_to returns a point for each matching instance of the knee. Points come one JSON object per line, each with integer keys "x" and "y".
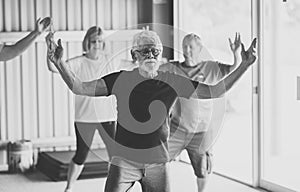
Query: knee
{"x": 201, "y": 173}
{"x": 203, "y": 166}
{"x": 79, "y": 158}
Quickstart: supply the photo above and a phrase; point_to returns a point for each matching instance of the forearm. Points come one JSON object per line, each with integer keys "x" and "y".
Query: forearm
{"x": 226, "y": 84}
{"x": 73, "y": 82}
{"x": 24, "y": 43}
{"x": 92, "y": 88}
{"x": 51, "y": 66}
{"x": 236, "y": 61}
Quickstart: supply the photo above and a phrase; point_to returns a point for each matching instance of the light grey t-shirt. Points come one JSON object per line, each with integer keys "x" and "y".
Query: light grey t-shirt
{"x": 195, "y": 115}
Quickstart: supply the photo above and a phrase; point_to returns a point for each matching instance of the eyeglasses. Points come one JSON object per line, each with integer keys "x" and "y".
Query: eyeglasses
{"x": 146, "y": 52}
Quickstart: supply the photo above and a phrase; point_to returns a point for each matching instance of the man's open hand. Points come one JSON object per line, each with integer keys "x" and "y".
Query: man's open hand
{"x": 248, "y": 57}
{"x": 42, "y": 25}
{"x": 55, "y": 51}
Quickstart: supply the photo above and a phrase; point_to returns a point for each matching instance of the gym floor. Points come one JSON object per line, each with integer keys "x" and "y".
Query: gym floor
{"x": 181, "y": 179}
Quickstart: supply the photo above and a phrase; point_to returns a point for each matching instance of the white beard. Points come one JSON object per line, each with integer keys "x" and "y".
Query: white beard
{"x": 148, "y": 72}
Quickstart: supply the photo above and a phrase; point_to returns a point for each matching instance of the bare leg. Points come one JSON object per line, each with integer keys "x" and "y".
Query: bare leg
{"x": 201, "y": 183}
{"x": 156, "y": 179}
{"x": 73, "y": 173}
{"x": 121, "y": 179}
{"x": 84, "y": 136}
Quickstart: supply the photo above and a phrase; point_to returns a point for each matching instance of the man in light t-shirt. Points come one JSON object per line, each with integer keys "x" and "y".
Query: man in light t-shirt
{"x": 195, "y": 123}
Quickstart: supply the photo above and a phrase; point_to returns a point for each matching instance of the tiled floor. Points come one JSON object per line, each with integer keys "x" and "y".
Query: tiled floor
{"x": 181, "y": 179}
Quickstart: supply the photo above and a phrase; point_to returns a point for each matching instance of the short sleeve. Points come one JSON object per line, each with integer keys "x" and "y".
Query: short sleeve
{"x": 183, "y": 86}
{"x": 224, "y": 69}
{"x": 215, "y": 71}
{"x": 110, "y": 81}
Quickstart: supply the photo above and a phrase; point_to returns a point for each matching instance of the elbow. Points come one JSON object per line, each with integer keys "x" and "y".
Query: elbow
{"x": 219, "y": 95}
{"x": 51, "y": 67}
{"x": 217, "y": 91}
{"x": 76, "y": 91}
{"x": 215, "y": 95}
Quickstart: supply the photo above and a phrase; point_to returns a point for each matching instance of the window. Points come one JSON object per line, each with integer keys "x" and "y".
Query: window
{"x": 215, "y": 21}
{"x": 280, "y": 95}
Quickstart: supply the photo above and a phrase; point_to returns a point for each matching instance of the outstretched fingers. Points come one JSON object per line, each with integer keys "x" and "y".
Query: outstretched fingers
{"x": 236, "y": 37}
{"x": 59, "y": 43}
{"x": 38, "y": 21}
{"x": 239, "y": 37}
{"x": 243, "y": 48}
{"x": 47, "y": 21}
{"x": 252, "y": 46}
{"x": 50, "y": 42}
{"x": 59, "y": 47}
{"x": 59, "y": 50}
{"x": 49, "y": 38}
{"x": 254, "y": 42}
{"x": 234, "y": 45}
{"x": 230, "y": 42}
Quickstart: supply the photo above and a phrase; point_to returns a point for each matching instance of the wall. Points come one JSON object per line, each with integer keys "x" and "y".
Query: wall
{"x": 34, "y": 103}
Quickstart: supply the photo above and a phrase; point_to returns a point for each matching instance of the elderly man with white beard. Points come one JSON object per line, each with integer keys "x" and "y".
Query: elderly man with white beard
{"x": 144, "y": 98}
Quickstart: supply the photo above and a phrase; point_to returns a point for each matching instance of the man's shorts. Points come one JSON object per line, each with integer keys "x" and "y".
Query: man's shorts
{"x": 124, "y": 173}
{"x": 201, "y": 160}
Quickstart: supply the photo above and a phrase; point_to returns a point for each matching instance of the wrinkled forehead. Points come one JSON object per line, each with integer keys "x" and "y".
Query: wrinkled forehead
{"x": 146, "y": 39}
{"x": 147, "y": 46}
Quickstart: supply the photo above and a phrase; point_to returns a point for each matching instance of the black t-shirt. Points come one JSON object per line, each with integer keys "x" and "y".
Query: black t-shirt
{"x": 143, "y": 106}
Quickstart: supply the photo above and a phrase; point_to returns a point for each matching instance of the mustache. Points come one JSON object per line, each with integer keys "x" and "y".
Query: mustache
{"x": 187, "y": 55}
{"x": 150, "y": 61}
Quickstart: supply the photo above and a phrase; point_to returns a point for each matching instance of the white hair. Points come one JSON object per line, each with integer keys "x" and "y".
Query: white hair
{"x": 146, "y": 38}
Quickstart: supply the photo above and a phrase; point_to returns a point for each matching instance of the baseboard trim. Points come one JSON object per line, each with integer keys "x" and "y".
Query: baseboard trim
{"x": 4, "y": 167}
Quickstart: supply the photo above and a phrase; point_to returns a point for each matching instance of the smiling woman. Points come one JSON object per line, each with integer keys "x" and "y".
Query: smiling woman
{"x": 90, "y": 114}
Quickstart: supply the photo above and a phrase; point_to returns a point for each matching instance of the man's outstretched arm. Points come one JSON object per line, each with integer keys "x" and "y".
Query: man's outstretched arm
{"x": 215, "y": 91}
{"x": 92, "y": 88}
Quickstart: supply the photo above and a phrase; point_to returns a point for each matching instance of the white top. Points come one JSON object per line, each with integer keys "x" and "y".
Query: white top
{"x": 93, "y": 109}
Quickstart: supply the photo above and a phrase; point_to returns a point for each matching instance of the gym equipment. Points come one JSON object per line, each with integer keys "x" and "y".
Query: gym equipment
{"x": 55, "y": 164}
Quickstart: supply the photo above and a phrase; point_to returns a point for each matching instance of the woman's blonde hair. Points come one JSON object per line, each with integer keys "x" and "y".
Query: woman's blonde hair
{"x": 90, "y": 32}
